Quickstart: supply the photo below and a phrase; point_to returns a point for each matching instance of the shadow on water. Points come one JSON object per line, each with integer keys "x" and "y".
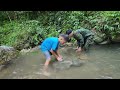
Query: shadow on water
{"x": 103, "y": 62}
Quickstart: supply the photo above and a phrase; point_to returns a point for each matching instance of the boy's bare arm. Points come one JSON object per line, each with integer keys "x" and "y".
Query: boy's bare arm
{"x": 59, "y": 58}
{"x": 53, "y": 53}
{"x": 57, "y": 52}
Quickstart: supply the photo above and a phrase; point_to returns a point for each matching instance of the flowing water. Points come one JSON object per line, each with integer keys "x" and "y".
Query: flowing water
{"x": 102, "y": 62}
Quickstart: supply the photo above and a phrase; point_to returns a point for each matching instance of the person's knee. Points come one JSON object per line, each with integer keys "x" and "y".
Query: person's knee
{"x": 48, "y": 59}
{"x": 47, "y": 55}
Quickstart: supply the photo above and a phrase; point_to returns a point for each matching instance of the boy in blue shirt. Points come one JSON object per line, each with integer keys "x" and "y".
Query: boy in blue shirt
{"x": 50, "y": 47}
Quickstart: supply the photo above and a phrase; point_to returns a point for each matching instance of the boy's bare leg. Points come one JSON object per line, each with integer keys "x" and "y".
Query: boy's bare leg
{"x": 45, "y": 68}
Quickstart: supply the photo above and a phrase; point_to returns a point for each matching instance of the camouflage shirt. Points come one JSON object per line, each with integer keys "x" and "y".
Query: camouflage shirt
{"x": 80, "y": 34}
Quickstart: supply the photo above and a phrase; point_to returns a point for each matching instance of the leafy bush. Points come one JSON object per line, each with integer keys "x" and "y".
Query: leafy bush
{"x": 25, "y": 29}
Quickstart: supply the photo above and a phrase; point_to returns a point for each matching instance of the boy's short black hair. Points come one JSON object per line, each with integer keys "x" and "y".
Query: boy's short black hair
{"x": 65, "y": 36}
{"x": 68, "y": 32}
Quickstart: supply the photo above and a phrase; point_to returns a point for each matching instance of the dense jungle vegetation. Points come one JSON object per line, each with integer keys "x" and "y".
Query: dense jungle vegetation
{"x": 25, "y": 29}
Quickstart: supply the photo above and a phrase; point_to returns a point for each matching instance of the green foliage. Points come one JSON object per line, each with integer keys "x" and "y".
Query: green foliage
{"x": 108, "y": 23}
{"x": 25, "y": 29}
{"x": 26, "y": 32}
{"x": 29, "y": 33}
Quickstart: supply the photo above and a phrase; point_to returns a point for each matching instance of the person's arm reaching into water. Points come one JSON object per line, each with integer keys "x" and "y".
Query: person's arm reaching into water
{"x": 79, "y": 46}
{"x": 80, "y": 41}
{"x": 54, "y": 53}
{"x": 57, "y": 52}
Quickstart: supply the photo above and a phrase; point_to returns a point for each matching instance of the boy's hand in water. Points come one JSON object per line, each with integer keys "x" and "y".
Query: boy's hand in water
{"x": 60, "y": 56}
{"x": 59, "y": 59}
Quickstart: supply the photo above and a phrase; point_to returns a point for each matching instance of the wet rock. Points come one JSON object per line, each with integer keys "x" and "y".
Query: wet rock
{"x": 62, "y": 65}
{"x": 67, "y": 64}
{"x": 104, "y": 42}
{"x": 99, "y": 37}
{"x": 77, "y": 63}
{"x": 98, "y": 40}
{"x": 24, "y": 51}
{"x": 7, "y": 54}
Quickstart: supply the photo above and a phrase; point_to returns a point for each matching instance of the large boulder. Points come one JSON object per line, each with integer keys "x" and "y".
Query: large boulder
{"x": 99, "y": 37}
{"x": 7, "y": 54}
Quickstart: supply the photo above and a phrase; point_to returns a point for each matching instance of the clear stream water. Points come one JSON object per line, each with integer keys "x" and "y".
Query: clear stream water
{"x": 103, "y": 62}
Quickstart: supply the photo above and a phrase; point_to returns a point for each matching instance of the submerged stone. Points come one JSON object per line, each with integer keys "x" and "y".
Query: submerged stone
{"x": 62, "y": 65}
{"x": 77, "y": 63}
{"x": 67, "y": 64}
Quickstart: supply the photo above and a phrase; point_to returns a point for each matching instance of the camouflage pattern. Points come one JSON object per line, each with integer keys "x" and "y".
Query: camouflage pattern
{"x": 89, "y": 41}
{"x": 84, "y": 37}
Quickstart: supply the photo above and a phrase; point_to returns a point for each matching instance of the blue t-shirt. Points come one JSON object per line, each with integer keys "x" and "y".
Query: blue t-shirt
{"x": 50, "y": 43}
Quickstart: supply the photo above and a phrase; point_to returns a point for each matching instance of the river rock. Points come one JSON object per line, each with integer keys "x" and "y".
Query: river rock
{"x": 104, "y": 42}
{"x": 99, "y": 37}
{"x": 7, "y": 54}
{"x": 67, "y": 64}
{"x": 62, "y": 65}
{"x": 77, "y": 63}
